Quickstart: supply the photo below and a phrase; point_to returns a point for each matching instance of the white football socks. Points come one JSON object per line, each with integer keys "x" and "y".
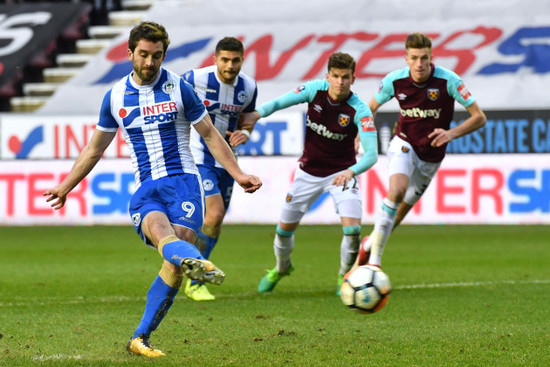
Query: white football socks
{"x": 283, "y": 247}
{"x": 382, "y": 230}
{"x": 348, "y": 252}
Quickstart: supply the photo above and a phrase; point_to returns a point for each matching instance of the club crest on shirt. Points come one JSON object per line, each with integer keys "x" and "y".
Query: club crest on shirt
{"x": 168, "y": 87}
{"x": 242, "y": 96}
{"x": 288, "y": 198}
{"x": 404, "y": 149}
{"x": 433, "y": 94}
{"x": 207, "y": 185}
{"x": 343, "y": 120}
{"x": 136, "y": 219}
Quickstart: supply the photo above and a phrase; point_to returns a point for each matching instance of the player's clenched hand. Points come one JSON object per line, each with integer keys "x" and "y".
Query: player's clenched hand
{"x": 249, "y": 183}
{"x": 343, "y": 178}
{"x": 238, "y": 137}
{"x": 55, "y": 194}
{"x": 440, "y": 137}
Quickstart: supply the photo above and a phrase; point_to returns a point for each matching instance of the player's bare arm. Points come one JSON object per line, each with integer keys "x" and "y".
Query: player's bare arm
{"x": 223, "y": 154}
{"x": 374, "y": 105}
{"x": 248, "y": 120}
{"x": 476, "y": 120}
{"x": 85, "y": 162}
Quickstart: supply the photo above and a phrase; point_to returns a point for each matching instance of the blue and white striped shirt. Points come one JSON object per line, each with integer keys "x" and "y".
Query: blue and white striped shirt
{"x": 224, "y": 103}
{"x": 155, "y": 120}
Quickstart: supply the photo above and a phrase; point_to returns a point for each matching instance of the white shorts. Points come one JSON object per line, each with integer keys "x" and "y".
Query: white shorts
{"x": 306, "y": 189}
{"x": 403, "y": 159}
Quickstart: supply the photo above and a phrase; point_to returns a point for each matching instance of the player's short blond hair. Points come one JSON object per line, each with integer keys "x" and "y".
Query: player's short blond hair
{"x": 418, "y": 40}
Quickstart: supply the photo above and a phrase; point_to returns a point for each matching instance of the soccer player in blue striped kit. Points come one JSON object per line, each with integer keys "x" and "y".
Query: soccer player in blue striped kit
{"x": 155, "y": 109}
{"x": 426, "y": 95}
{"x": 227, "y": 93}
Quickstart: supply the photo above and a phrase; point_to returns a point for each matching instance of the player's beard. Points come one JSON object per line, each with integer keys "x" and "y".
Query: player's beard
{"x": 229, "y": 76}
{"x": 147, "y": 75}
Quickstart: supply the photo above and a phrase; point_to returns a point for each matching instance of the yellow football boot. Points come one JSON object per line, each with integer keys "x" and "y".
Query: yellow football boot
{"x": 141, "y": 346}
{"x": 198, "y": 292}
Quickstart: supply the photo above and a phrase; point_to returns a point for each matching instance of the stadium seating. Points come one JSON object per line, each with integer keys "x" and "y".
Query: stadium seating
{"x": 95, "y": 38}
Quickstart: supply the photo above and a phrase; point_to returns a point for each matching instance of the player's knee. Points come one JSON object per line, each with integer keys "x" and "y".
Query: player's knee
{"x": 351, "y": 230}
{"x": 214, "y": 218}
{"x": 397, "y": 194}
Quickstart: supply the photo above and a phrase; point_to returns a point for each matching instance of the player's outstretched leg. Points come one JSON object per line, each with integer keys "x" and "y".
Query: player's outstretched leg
{"x": 187, "y": 256}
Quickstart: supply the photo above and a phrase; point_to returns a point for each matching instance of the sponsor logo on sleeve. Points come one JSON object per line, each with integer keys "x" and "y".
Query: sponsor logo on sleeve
{"x": 463, "y": 91}
{"x": 367, "y": 124}
{"x": 299, "y": 89}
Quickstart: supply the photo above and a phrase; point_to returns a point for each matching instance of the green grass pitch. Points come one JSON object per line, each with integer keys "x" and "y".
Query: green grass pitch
{"x": 462, "y": 296}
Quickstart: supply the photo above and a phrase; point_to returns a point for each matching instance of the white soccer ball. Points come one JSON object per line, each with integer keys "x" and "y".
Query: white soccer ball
{"x": 366, "y": 288}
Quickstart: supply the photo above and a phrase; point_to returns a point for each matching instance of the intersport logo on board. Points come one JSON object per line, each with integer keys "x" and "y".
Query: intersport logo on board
{"x": 526, "y": 44}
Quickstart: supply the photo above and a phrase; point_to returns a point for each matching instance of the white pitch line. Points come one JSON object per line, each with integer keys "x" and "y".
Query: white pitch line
{"x": 471, "y": 284}
{"x": 55, "y": 357}
{"x": 118, "y": 299}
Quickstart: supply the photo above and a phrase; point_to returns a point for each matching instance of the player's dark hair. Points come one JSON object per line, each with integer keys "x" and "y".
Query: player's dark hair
{"x": 230, "y": 44}
{"x": 149, "y": 31}
{"x": 341, "y": 60}
{"x": 418, "y": 40}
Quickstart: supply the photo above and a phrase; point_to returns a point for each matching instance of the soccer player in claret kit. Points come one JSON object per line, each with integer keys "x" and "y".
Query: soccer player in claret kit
{"x": 155, "y": 109}
{"x": 426, "y": 95}
{"x": 335, "y": 117}
{"x": 227, "y": 93}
